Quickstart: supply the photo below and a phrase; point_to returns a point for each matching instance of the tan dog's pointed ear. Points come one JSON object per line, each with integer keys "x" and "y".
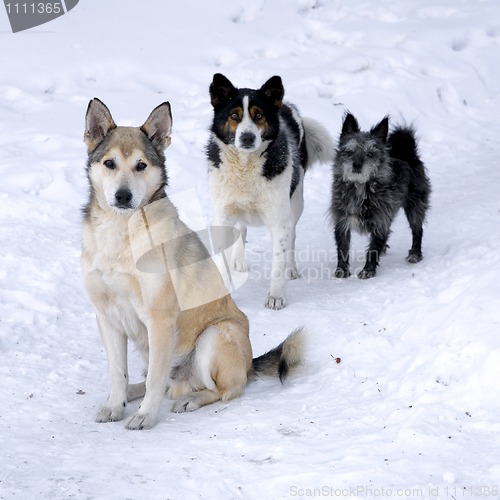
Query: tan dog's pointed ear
{"x": 158, "y": 127}
{"x": 98, "y": 122}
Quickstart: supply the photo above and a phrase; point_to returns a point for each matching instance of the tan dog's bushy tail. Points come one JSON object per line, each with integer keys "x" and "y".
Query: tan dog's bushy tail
{"x": 279, "y": 361}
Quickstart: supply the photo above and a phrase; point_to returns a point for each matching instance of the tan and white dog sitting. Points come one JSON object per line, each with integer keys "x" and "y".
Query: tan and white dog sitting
{"x": 151, "y": 280}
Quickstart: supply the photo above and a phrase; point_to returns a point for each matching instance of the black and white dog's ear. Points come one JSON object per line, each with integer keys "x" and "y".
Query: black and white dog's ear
{"x": 158, "y": 126}
{"x": 381, "y": 129}
{"x": 273, "y": 91}
{"x": 221, "y": 91}
{"x": 350, "y": 125}
{"x": 98, "y": 122}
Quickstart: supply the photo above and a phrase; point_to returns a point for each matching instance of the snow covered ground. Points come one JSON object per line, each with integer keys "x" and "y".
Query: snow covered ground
{"x": 411, "y": 411}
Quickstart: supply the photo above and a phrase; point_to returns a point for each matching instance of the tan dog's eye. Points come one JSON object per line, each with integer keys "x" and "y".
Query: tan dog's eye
{"x": 140, "y": 166}
{"x": 110, "y": 164}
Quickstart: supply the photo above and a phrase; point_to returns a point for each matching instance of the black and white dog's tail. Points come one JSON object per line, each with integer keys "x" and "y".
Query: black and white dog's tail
{"x": 319, "y": 143}
{"x": 403, "y": 145}
{"x": 279, "y": 361}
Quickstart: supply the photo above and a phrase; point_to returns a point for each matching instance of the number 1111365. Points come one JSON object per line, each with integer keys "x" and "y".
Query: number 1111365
{"x": 34, "y": 8}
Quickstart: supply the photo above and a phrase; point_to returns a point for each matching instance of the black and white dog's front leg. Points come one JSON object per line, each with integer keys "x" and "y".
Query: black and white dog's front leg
{"x": 238, "y": 259}
{"x": 280, "y": 234}
{"x": 225, "y": 240}
{"x": 296, "y": 209}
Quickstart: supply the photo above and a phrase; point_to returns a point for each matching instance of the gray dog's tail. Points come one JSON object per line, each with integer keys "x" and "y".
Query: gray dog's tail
{"x": 319, "y": 144}
{"x": 279, "y": 361}
{"x": 403, "y": 145}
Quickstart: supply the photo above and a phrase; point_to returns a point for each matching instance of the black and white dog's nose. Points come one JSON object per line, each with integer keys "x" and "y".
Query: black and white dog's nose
{"x": 123, "y": 197}
{"x": 247, "y": 140}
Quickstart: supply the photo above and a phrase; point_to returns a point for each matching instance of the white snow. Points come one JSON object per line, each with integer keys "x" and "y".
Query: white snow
{"x": 411, "y": 410}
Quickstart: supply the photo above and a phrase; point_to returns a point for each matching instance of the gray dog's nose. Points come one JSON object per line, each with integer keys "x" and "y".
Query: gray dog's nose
{"x": 357, "y": 166}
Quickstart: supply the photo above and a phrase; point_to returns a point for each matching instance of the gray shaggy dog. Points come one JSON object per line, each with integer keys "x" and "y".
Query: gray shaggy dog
{"x": 374, "y": 175}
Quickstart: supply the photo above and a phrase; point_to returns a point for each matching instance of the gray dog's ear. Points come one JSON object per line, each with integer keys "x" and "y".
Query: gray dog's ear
{"x": 381, "y": 129}
{"x": 158, "y": 126}
{"x": 98, "y": 122}
{"x": 350, "y": 125}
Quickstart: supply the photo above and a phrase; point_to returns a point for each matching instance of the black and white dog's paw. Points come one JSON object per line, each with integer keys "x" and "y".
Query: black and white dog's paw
{"x": 275, "y": 303}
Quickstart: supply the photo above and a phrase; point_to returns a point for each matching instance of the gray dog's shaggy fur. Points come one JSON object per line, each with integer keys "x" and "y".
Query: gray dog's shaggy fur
{"x": 376, "y": 174}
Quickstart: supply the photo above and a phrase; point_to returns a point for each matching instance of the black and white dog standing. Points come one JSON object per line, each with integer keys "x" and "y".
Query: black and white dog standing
{"x": 258, "y": 151}
{"x": 375, "y": 174}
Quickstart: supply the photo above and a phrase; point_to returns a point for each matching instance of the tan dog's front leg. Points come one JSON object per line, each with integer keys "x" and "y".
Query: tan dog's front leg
{"x": 161, "y": 335}
{"x": 115, "y": 344}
